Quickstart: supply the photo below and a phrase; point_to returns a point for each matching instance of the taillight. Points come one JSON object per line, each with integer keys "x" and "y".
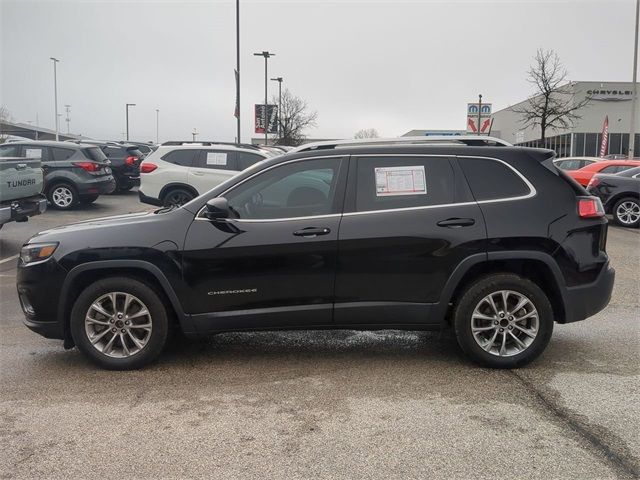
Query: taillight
{"x": 88, "y": 166}
{"x": 594, "y": 182}
{"x": 131, "y": 160}
{"x": 590, "y": 207}
{"x": 147, "y": 167}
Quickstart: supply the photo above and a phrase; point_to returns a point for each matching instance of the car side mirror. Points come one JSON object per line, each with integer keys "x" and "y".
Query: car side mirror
{"x": 217, "y": 208}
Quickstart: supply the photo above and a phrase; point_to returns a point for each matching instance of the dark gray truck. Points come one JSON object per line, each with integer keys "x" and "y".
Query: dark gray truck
{"x": 21, "y": 183}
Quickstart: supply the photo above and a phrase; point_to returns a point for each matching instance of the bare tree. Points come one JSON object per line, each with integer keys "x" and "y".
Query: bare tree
{"x": 367, "y": 133}
{"x": 5, "y": 116}
{"x": 552, "y": 105}
{"x": 294, "y": 119}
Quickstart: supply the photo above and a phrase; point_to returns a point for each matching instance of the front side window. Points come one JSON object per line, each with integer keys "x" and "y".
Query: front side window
{"x": 217, "y": 159}
{"x": 298, "y": 189}
{"x": 245, "y": 160}
{"x": 389, "y": 182}
{"x": 492, "y": 180}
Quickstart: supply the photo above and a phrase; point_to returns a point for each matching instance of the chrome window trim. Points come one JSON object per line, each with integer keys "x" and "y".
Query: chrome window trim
{"x": 256, "y": 220}
{"x": 532, "y": 190}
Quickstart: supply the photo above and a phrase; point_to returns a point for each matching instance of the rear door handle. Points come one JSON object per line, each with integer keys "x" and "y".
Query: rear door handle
{"x": 21, "y": 166}
{"x": 196, "y": 172}
{"x": 311, "y": 232}
{"x": 456, "y": 222}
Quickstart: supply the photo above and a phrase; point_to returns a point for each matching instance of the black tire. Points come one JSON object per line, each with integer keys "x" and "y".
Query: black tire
{"x": 479, "y": 290}
{"x": 62, "y": 196}
{"x": 86, "y": 199}
{"x": 627, "y": 217}
{"x": 158, "y": 318}
{"x": 177, "y": 196}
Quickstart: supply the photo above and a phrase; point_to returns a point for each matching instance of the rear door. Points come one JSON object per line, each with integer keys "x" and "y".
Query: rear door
{"x": 211, "y": 167}
{"x": 409, "y": 221}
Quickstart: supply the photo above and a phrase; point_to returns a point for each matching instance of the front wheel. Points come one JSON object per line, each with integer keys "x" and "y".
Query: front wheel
{"x": 62, "y": 196}
{"x": 120, "y": 323}
{"x": 503, "y": 321}
{"x": 177, "y": 197}
{"x": 626, "y": 212}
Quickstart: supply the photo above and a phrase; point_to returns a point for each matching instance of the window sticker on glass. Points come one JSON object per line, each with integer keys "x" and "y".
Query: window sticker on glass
{"x": 215, "y": 158}
{"x": 392, "y": 181}
{"x": 33, "y": 153}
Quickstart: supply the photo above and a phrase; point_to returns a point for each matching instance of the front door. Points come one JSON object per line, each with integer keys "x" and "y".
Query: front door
{"x": 408, "y": 222}
{"x": 273, "y": 264}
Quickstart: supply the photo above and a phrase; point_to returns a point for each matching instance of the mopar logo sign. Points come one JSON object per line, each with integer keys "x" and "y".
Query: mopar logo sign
{"x": 473, "y": 108}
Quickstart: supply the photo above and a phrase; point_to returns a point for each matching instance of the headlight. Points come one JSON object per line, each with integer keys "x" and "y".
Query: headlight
{"x": 37, "y": 252}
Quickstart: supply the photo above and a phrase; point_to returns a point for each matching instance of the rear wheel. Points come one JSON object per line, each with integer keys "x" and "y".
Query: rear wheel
{"x": 177, "y": 196}
{"x": 626, "y": 212}
{"x": 503, "y": 321}
{"x": 62, "y": 196}
{"x": 120, "y": 323}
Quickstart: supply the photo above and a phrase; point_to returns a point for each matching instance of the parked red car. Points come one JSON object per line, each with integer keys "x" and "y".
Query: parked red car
{"x": 583, "y": 175}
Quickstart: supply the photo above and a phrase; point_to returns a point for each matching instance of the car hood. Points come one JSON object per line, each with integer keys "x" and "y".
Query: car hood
{"x": 135, "y": 229}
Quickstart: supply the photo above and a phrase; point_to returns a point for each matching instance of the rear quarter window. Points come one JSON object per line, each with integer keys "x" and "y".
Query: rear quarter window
{"x": 60, "y": 154}
{"x": 492, "y": 179}
{"x": 245, "y": 160}
{"x": 184, "y": 158}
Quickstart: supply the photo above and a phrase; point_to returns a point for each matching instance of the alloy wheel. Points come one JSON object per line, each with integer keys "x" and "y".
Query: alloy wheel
{"x": 62, "y": 197}
{"x": 118, "y": 324}
{"x": 505, "y": 323}
{"x": 177, "y": 198}
{"x": 628, "y": 212}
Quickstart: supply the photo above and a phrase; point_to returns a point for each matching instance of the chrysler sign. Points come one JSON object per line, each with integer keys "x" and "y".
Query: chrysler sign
{"x": 610, "y": 95}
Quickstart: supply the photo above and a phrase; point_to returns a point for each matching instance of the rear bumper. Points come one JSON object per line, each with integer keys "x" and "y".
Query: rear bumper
{"x": 585, "y": 301}
{"x": 97, "y": 187}
{"x": 150, "y": 200}
{"x": 20, "y": 210}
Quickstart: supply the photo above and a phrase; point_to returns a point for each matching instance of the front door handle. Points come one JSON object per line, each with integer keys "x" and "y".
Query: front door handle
{"x": 21, "y": 166}
{"x": 456, "y": 222}
{"x": 311, "y": 232}
{"x": 198, "y": 173}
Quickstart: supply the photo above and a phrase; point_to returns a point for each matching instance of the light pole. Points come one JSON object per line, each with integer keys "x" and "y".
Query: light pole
{"x": 127, "y": 115}
{"x": 632, "y": 130}
{"x": 55, "y": 92}
{"x": 279, "y": 80}
{"x": 157, "y": 125}
{"x": 68, "y": 119}
{"x": 266, "y": 56}
{"x": 238, "y": 69}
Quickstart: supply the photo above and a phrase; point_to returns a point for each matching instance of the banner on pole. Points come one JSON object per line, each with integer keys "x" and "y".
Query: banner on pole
{"x": 272, "y": 118}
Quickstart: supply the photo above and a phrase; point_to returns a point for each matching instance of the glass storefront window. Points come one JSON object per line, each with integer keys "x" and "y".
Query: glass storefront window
{"x": 578, "y": 149}
{"x": 591, "y": 145}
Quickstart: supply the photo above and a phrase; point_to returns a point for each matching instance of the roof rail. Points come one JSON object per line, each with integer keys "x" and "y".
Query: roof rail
{"x": 469, "y": 140}
{"x": 209, "y": 144}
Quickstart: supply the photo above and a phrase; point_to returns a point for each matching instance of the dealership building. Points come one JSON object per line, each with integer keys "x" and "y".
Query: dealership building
{"x": 583, "y": 138}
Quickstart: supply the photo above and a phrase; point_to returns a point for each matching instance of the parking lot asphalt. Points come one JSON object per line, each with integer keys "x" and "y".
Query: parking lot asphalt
{"x": 341, "y": 404}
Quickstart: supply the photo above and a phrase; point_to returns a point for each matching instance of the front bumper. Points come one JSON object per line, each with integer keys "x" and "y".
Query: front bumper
{"x": 150, "y": 200}
{"x": 20, "y": 210}
{"x": 39, "y": 290}
{"x": 585, "y": 301}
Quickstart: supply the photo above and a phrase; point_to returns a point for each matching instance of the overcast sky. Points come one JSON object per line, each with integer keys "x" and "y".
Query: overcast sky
{"x": 393, "y": 66}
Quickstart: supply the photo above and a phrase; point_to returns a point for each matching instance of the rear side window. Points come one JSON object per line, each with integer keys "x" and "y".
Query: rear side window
{"x": 94, "y": 153}
{"x": 31, "y": 151}
{"x": 60, "y": 154}
{"x": 184, "y": 158}
{"x": 388, "y": 182}
{"x": 245, "y": 160}
{"x": 217, "y": 160}
{"x": 492, "y": 180}
{"x": 615, "y": 168}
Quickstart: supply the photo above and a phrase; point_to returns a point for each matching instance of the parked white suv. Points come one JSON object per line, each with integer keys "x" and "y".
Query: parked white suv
{"x": 177, "y": 172}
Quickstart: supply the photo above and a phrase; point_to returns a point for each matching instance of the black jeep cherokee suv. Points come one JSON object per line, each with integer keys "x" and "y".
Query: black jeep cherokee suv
{"x": 492, "y": 241}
